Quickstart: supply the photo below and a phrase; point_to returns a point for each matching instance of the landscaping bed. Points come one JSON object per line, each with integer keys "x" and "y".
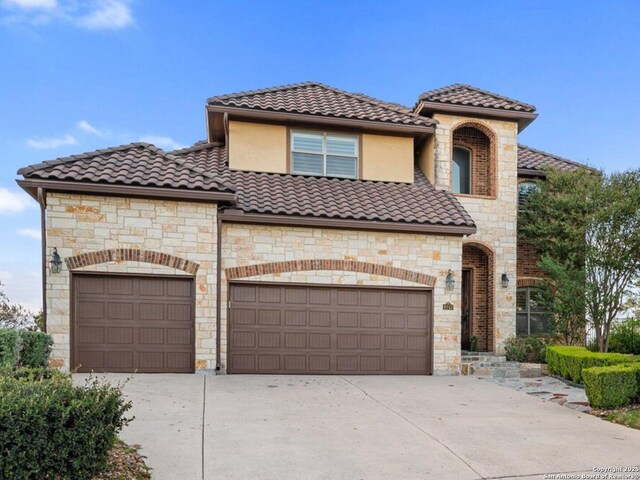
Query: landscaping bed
{"x": 628, "y": 416}
{"x": 125, "y": 463}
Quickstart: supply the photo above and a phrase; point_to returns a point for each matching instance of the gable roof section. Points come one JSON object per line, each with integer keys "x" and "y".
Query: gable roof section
{"x": 461, "y": 94}
{"x": 317, "y": 99}
{"x": 534, "y": 162}
{"x": 419, "y": 204}
{"x": 133, "y": 165}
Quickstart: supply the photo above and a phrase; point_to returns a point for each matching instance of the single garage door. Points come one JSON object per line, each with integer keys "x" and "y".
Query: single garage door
{"x": 133, "y": 323}
{"x": 300, "y": 329}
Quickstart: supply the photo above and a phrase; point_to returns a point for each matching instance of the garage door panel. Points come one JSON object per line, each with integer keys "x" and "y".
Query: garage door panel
{"x": 135, "y": 325}
{"x": 338, "y": 330}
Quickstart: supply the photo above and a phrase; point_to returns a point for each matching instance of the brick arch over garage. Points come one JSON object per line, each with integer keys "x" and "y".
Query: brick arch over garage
{"x": 344, "y": 265}
{"x": 133, "y": 255}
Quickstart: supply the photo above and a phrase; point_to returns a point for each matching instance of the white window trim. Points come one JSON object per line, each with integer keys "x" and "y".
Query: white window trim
{"x": 324, "y": 151}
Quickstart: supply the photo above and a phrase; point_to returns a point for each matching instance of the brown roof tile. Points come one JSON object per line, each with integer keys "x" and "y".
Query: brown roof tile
{"x": 280, "y": 194}
{"x": 460, "y": 94}
{"x": 139, "y": 164}
{"x": 314, "y": 98}
{"x": 533, "y": 159}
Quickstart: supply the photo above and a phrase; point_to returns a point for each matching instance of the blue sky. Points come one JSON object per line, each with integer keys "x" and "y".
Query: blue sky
{"x": 80, "y": 75}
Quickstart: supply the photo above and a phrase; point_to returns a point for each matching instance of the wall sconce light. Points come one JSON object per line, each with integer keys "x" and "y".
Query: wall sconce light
{"x": 55, "y": 263}
{"x": 449, "y": 282}
{"x": 505, "y": 280}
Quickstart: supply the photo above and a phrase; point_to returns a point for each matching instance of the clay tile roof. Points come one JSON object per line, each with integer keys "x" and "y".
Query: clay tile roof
{"x": 283, "y": 194}
{"x": 315, "y": 98}
{"x": 533, "y": 159}
{"x": 460, "y": 94}
{"x": 139, "y": 164}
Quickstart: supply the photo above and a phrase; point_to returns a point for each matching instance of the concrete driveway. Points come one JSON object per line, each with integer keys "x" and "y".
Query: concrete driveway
{"x": 311, "y": 427}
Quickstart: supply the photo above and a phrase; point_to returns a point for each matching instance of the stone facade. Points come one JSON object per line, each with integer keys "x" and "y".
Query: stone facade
{"x": 423, "y": 255}
{"x": 135, "y": 236}
{"x": 495, "y": 216}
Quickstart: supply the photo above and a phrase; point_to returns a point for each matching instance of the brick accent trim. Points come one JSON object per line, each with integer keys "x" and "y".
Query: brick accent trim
{"x": 345, "y": 265}
{"x": 529, "y": 281}
{"x": 133, "y": 255}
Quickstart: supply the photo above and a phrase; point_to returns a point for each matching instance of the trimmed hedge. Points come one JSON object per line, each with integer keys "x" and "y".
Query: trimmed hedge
{"x": 23, "y": 348}
{"x": 569, "y": 362}
{"x": 10, "y": 344}
{"x": 613, "y": 386}
{"x": 52, "y": 429}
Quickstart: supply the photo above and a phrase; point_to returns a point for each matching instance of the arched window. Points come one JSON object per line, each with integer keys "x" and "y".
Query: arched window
{"x": 461, "y": 175}
{"x": 524, "y": 189}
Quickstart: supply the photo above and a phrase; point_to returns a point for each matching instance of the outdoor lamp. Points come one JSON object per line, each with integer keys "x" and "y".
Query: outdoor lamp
{"x": 505, "y": 280}
{"x": 55, "y": 263}
{"x": 449, "y": 281}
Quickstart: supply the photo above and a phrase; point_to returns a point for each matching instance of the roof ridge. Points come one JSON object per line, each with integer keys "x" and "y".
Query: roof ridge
{"x": 454, "y": 86}
{"x": 195, "y": 148}
{"x": 258, "y": 91}
{"x": 558, "y": 157}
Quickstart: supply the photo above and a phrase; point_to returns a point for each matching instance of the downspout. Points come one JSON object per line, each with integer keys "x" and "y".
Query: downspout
{"x": 43, "y": 244}
{"x": 218, "y": 287}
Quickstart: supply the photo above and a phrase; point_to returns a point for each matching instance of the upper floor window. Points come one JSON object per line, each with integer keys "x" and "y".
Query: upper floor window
{"x": 524, "y": 189}
{"x": 324, "y": 154}
{"x": 461, "y": 175}
{"x": 531, "y": 315}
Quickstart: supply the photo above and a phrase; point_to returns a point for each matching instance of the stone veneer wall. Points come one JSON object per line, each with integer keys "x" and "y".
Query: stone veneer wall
{"x": 81, "y": 224}
{"x": 244, "y": 245}
{"x": 496, "y": 218}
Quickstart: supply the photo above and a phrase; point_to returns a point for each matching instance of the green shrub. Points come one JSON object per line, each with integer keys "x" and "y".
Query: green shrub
{"x": 32, "y": 374}
{"x": 569, "y": 361}
{"x": 625, "y": 337}
{"x": 51, "y": 429}
{"x": 610, "y": 387}
{"x": 526, "y": 349}
{"x": 36, "y": 348}
{"x": 10, "y": 342}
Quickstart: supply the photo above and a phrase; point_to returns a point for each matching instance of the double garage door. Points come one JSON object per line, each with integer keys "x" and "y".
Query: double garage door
{"x": 301, "y": 329}
{"x": 146, "y": 324}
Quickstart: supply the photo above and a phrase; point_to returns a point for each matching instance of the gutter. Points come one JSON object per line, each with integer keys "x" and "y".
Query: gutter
{"x": 41, "y": 197}
{"x": 218, "y": 287}
{"x": 238, "y": 216}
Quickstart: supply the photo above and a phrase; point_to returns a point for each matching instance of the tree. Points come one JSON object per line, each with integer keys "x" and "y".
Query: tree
{"x": 14, "y": 315}
{"x": 586, "y": 229}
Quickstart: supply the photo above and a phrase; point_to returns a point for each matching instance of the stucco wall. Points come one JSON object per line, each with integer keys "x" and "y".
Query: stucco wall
{"x": 496, "y": 218}
{"x": 430, "y": 254}
{"x": 79, "y": 224}
{"x": 257, "y": 147}
{"x": 387, "y": 158}
{"x": 426, "y": 159}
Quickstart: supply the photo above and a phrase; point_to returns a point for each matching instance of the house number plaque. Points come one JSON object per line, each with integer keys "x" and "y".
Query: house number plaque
{"x": 447, "y": 306}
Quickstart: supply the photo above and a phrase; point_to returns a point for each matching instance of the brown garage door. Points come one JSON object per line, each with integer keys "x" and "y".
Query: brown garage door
{"x": 133, "y": 323}
{"x": 294, "y": 329}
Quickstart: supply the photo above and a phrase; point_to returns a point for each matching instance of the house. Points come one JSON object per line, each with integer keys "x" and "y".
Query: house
{"x": 314, "y": 231}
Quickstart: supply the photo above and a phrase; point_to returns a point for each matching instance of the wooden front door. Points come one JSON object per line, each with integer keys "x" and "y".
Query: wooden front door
{"x": 467, "y": 308}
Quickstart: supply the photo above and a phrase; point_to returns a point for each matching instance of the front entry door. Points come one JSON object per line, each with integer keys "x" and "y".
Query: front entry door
{"x": 465, "y": 310}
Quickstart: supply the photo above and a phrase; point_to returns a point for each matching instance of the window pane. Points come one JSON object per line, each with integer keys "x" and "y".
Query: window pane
{"x": 535, "y": 300}
{"x": 308, "y": 142}
{"x": 341, "y": 166}
{"x": 341, "y": 146}
{"x": 521, "y": 324}
{"x": 521, "y": 300}
{"x": 539, "y": 323}
{"x": 306, "y": 163}
{"x": 524, "y": 189}
{"x": 461, "y": 171}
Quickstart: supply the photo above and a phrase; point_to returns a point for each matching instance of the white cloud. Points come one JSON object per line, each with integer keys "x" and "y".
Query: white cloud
{"x": 14, "y": 202}
{"x": 44, "y": 143}
{"x": 29, "y": 232}
{"x": 87, "y": 127}
{"x": 32, "y": 4}
{"x": 164, "y": 142}
{"x": 109, "y": 14}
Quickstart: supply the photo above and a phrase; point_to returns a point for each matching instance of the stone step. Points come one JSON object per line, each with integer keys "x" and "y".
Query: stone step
{"x": 494, "y": 372}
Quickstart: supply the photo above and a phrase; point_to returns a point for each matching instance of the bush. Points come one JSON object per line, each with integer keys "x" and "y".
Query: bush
{"x": 614, "y": 386}
{"x": 24, "y": 348}
{"x": 36, "y": 349}
{"x": 625, "y": 337}
{"x": 526, "y": 349}
{"x": 568, "y": 362}
{"x": 10, "y": 341}
{"x": 32, "y": 374}
{"x": 51, "y": 429}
